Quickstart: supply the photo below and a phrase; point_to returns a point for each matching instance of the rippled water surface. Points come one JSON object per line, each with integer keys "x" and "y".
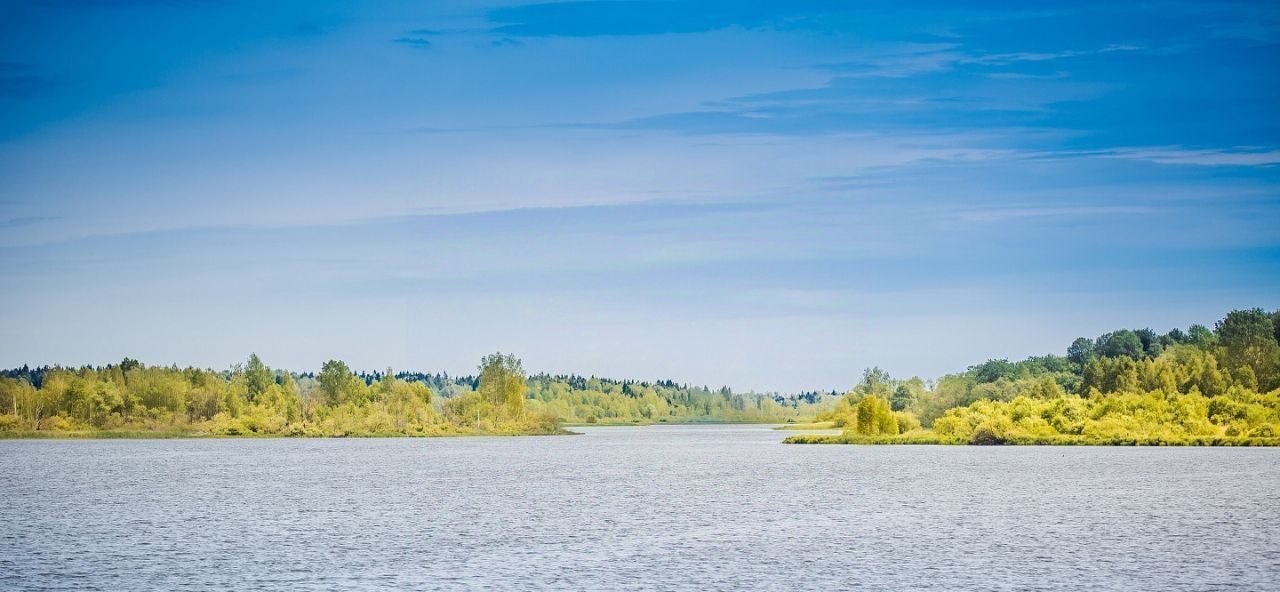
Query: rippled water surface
{"x": 668, "y": 508}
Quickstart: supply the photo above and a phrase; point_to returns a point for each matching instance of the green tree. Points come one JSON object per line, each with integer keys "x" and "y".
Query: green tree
{"x": 1201, "y": 337}
{"x": 1081, "y": 351}
{"x": 10, "y": 390}
{"x": 1122, "y": 343}
{"x": 1126, "y": 377}
{"x": 1249, "y": 339}
{"x": 874, "y": 416}
{"x": 337, "y": 383}
{"x": 903, "y": 397}
{"x": 993, "y": 370}
{"x": 1045, "y": 387}
{"x": 875, "y": 382}
{"x": 258, "y": 378}
{"x": 1151, "y": 346}
{"x": 865, "y": 416}
{"x": 502, "y": 383}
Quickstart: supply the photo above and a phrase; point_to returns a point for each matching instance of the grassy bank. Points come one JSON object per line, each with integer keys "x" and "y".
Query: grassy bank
{"x": 816, "y": 425}
{"x": 686, "y": 421}
{"x": 444, "y": 431}
{"x": 931, "y": 438}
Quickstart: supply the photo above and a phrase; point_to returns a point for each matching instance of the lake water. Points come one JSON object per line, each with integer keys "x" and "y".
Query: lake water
{"x": 665, "y": 508}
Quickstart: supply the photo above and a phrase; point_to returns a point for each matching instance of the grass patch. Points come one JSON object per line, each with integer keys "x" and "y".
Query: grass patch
{"x": 930, "y": 438}
{"x": 910, "y": 438}
{"x": 607, "y": 424}
{"x": 105, "y": 435}
{"x": 817, "y": 425}
{"x": 446, "y": 431}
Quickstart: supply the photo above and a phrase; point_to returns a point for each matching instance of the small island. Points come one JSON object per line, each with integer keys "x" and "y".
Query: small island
{"x": 1198, "y": 387}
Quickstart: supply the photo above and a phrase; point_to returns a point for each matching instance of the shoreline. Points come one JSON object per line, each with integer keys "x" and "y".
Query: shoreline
{"x": 929, "y": 439}
{"x": 192, "y": 435}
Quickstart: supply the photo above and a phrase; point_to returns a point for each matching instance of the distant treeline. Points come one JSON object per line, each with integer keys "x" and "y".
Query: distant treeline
{"x": 1201, "y": 385}
{"x": 591, "y": 400}
{"x": 254, "y": 399}
{"x": 1198, "y": 386}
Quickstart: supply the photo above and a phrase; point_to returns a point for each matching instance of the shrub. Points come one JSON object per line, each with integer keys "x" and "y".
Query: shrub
{"x": 907, "y": 421}
{"x": 995, "y": 430}
{"x": 57, "y": 423}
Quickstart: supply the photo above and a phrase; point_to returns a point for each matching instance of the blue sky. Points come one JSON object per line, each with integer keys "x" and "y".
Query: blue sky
{"x": 769, "y": 195}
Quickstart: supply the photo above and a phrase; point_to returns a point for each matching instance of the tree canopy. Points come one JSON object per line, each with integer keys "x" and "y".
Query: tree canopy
{"x": 1125, "y": 386}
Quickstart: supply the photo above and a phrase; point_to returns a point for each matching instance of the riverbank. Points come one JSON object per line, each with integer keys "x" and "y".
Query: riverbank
{"x": 808, "y": 426}
{"x": 930, "y": 438}
{"x": 443, "y": 432}
{"x": 688, "y": 421}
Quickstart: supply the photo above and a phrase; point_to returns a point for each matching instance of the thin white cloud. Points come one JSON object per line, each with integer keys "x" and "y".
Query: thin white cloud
{"x": 1238, "y": 156}
{"x": 1004, "y": 59}
{"x": 1178, "y": 155}
{"x": 1004, "y": 214}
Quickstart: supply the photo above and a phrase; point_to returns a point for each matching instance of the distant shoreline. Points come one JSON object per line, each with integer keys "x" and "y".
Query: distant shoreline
{"x": 193, "y": 435}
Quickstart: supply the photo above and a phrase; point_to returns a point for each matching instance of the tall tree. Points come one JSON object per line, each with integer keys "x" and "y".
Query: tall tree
{"x": 336, "y": 382}
{"x": 875, "y": 382}
{"x": 258, "y": 378}
{"x": 1122, "y": 343}
{"x": 1201, "y": 337}
{"x": 903, "y": 397}
{"x": 1248, "y": 336}
{"x": 993, "y": 370}
{"x": 502, "y": 382}
{"x": 1081, "y": 351}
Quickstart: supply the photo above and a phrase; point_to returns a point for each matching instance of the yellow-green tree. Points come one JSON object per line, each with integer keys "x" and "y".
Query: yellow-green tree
{"x": 874, "y": 416}
{"x": 502, "y": 383}
{"x": 258, "y": 378}
{"x": 338, "y": 384}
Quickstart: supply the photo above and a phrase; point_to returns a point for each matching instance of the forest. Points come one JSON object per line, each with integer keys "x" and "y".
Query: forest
{"x": 1193, "y": 386}
{"x": 252, "y": 399}
{"x": 1200, "y": 386}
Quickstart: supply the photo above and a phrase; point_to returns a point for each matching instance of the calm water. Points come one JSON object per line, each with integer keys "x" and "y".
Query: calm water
{"x": 669, "y": 508}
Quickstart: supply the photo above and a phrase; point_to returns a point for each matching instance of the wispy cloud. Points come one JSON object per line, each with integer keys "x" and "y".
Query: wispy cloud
{"x": 415, "y": 42}
{"x": 12, "y": 223}
{"x": 1237, "y": 156}
{"x": 418, "y": 38}
{"x": 634, "y": 17}
{"x": 1004, "y": 59}
{"x": 1006, "y": 214}
{"x": 913, "y": 59}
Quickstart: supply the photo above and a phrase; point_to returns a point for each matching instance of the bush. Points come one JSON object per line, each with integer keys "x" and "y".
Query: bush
{"x": 57, "y": 423}
{"x": 907, "y": 421}
{"x": 294, "y": 430}
{"x": 992, "y": 432}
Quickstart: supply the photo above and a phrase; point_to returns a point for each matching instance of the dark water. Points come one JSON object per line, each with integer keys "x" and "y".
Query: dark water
{"x": 665, "y": 508}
